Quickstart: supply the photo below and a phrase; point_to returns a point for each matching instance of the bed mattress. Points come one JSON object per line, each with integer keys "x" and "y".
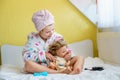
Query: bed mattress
{"x": 110, "y": 72}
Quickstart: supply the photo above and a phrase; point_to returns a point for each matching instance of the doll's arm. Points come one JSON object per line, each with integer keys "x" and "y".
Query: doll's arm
{"x": 52, "y": 65}
{"x": 69, "y": 67}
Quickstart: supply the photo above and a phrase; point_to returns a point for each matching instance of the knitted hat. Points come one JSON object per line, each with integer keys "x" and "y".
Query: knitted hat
{"x": 42, "y": 18}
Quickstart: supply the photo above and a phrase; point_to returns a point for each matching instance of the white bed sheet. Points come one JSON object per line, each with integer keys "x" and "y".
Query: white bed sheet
{"x": 110, "y": 72}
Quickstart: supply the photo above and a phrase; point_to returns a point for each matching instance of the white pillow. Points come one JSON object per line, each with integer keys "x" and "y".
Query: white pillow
{"x": 82, "y": 48}
{"x": 12, "y": 54}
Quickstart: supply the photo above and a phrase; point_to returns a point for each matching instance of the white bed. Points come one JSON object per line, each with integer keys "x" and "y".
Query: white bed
{"x": 12, "y": 65}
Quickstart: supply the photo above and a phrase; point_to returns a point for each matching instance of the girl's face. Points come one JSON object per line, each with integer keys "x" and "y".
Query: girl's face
{"x": 62, "y": 51}
{"x": 47, "y": 32}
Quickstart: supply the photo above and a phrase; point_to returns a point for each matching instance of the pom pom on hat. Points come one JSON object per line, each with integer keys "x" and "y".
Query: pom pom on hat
{"x": 41, "y": 19}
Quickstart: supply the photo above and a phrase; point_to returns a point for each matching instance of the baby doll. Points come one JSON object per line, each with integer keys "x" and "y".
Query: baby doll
{"x": 60, "y": 64}
{"x": 59, "y": 50}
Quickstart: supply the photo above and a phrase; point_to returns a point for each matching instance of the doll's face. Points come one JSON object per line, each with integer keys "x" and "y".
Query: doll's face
{"x": 47, "y": 32}
{"x": 62, "y": 51}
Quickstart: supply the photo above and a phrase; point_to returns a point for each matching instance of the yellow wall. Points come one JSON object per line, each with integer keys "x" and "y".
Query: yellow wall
{"x": 15, "y": 21}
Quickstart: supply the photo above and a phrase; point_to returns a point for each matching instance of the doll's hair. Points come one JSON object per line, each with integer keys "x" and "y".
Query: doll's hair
{"x": 56, "y": 46}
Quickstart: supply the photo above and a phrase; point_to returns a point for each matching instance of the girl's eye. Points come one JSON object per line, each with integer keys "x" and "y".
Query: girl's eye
{"x": 63, "y": 52}
{"x": 47, "y": 32}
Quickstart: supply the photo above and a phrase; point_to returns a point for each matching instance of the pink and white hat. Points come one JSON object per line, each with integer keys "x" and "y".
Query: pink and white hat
{"x": 41, "y": 19}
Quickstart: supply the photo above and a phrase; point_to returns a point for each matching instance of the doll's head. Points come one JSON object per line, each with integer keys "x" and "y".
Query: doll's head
{"x": 58, "y": 48}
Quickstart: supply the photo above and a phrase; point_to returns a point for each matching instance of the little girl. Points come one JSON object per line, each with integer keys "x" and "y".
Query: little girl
{"x": 35, "y": 50}
{"x": 59, "y": 49}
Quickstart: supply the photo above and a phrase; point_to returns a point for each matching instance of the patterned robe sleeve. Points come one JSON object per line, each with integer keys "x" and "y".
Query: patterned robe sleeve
{"x": 33, "y": 50}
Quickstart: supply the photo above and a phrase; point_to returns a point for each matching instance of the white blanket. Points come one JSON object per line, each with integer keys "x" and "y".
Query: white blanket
{"x": 110, "y": 72}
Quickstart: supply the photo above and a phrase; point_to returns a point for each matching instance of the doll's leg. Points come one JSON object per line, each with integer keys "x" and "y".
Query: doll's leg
{"x": 77, "y": 62}
{"x": 32, "y": 67}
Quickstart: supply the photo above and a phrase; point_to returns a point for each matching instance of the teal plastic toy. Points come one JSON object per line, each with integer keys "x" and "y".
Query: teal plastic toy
{"x": 40, "y": 74}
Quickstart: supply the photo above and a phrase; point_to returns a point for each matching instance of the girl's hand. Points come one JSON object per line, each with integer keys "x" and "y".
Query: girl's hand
{"x": 50, "y": 57}
{"x": 67, "y": 56}
{"x": 78, "y": 65}
{"x": 67, "y": 71}
{"x": 76, "y": 70}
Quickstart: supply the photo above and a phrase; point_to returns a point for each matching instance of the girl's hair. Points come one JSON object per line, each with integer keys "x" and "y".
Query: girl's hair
{"x": 56, "y": 46}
